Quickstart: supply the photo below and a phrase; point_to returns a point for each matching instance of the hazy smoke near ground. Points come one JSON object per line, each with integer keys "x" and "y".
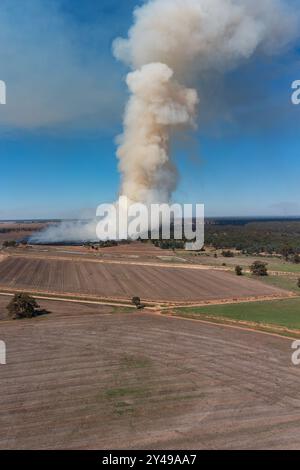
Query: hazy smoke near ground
{"x": 171, "y": 44}
{"x": 81, "y": 231}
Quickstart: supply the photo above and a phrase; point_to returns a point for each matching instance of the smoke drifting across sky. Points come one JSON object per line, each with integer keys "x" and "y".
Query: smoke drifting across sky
{"x": 170, "y": 45}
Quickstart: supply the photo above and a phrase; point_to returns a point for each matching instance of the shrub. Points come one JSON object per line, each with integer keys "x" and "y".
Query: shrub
{"x": 258, "y": 268}
{"x": 239, "y": 270}
{"x": 137, "y": 302}
{"x": 9, "y": 243}
{"x": 227, "y": 254}
{"x": 22, "y": 306}
{"x": 296, "y": 259}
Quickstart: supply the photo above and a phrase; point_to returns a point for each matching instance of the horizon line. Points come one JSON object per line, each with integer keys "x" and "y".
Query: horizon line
{"x": 72, "y": 219}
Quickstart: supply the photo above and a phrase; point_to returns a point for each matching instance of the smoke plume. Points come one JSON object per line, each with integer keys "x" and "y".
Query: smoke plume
{"x": 157, "y": 104}
{"x": 170, "y": 46}
{"x": 171, "y": 43}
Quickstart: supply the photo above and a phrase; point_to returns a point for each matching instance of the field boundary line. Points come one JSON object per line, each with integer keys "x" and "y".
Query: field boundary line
{"x": 247, "y": 300}
{"x": 123, "y": 262}
{"x": 150, "y": 303}
{"x": 65, "y": 299}
{"x": 276, "y": 273}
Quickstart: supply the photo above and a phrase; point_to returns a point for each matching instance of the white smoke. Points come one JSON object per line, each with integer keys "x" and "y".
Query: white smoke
{"x": 67, "y": 232}
{"x": 180, "y": 40}
{"x": 171, "y": 44}
{"x": 204, "y": 35}
{"x": 157, "y": 104}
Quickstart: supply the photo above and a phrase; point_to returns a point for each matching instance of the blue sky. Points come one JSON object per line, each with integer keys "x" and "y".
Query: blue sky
{"x": 66, "y": 95}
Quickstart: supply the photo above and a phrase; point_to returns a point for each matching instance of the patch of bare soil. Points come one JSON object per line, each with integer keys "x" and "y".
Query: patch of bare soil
{"x": 122, "y": 281}
{"x": 87, "y": 378}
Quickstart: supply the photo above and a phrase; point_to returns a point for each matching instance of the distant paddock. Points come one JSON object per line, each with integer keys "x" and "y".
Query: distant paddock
{"x": 122, "y": 281}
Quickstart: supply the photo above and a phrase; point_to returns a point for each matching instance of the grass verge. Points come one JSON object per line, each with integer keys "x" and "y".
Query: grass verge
{"x": 283, "y": 282}
{"x": 277, "y": 316}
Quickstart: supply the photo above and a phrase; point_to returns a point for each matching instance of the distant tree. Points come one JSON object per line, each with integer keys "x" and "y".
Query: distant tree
{"x": 136, "y": 301}
{"x": 227, "y": 254}
{"x": 298, "y": 283}
{"x": 239, "y": 270}
{"x": 22, "y": 306}
{"x": 215, "y": 255}
{"x": 286, "y": 251}
{"x": 169, "y": 244}
{"x": 296, "y": 259}
{"x": 259, "y": 268}
{"x": 10, "y": 243}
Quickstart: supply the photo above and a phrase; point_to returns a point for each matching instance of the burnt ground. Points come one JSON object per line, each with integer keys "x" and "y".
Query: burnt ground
{"x": 84, "y": 377}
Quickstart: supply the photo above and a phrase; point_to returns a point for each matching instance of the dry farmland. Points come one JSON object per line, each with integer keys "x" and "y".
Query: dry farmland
{"x": 84, "y": 377}
{"x": 17, "y": 231}
{"x": 121, "y": 281}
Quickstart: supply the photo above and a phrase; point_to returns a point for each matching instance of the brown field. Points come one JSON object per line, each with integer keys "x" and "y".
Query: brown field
{"x": 121, "y": 281}
{"x": 134, "y": 250}
{"x": 22, "y": 226}
{"x": 85, "y": 378}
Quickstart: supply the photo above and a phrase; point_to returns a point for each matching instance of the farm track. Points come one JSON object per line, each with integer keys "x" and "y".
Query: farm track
{"x": 70, "y": 300}
{"x": 126, "y": 262}
{"x": 76, "y": 380}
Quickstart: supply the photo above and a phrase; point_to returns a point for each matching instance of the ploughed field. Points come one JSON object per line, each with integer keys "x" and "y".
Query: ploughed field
{"x": 79, "y": 379}
{"x": 123, "y": 281}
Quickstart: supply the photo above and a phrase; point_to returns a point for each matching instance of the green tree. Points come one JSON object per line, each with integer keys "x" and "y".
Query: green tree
{"x": 258, "y": 268}
{"x": 9, "y": 243}
{"x": 239, "y": 270}
{"x": 137, "y": 302}
{"x": 22, "y": 306}
{"x": 286, "y": 252}
{"x": 227, "y": 254}
{"x": 296, "y": 259}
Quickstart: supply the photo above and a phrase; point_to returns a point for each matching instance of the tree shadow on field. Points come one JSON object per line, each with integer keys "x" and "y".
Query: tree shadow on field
{"x": 41, "y": 312}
